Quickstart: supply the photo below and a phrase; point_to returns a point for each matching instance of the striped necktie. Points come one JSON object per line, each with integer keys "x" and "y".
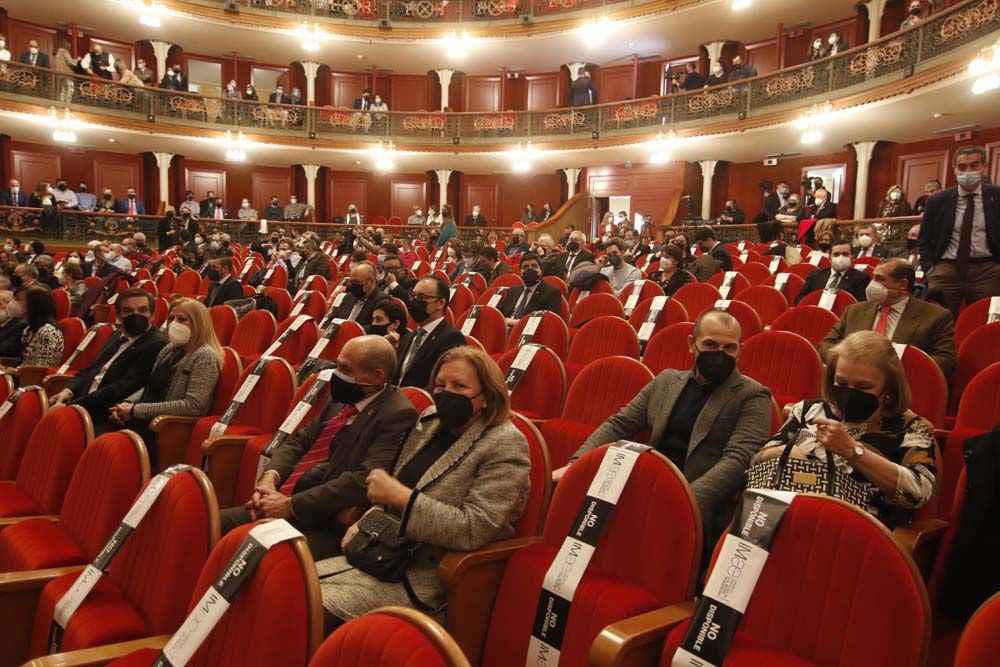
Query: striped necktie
{"x": 320, "y": 450}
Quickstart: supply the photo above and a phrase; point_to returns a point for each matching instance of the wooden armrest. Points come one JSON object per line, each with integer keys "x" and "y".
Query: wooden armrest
{"x": 173, "y": 435}
{"x": 223, "y": 455}
{"x": 922, "y": 539}
{"x": 11, "y": 520}
{"x": 55, "y": 383}
{"x": 31, "y": 375}
{"x": 473, "y": 579}
{"x": 638, "y": 641}
{"x": 19, "y": 594}
{"x": 941, "y": 437}
{"x": 99, "y": 655}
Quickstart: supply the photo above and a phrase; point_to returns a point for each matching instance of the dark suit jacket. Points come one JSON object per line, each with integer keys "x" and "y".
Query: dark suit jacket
{"x": 939, "y": 223}
{"x": 369, "y": 442}
{"x": 403, "y": 289}
{"x": 475, "y": 222}
{"x": 125, "y": 376}
{"x": 274, "y": 99}
{"x": 546, "y": 297}
{"x": 720, "y": 253}
{"x": 925, "y": 325}
{"x": 10, "y": 337}
{"x": 772, "y": 205}
{"x": 41, "y": 61}
{"x": 828, "y": 210}
{"x": 317, "y": 265}
{"x": 854, "y": 281}
{"x": 443, "y": 338}
{"x": 581, "y": 257}
{"x": 733, "y": 424}
{"x": 219, "y": 293}
{"x": 365, "y": 314}
{"x": 8, "y": 199}
{"x": 361, "y": 103}
{"x": 122, "y": 206}
{"x": 501, "y": 269}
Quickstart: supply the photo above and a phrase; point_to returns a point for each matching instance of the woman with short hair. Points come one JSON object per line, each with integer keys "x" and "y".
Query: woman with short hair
{"x": 895, "y": 204}
{"x": 41, "y": 341}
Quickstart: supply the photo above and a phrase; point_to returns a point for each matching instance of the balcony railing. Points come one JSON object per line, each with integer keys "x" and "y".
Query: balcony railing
{"x": 857, "y": 69}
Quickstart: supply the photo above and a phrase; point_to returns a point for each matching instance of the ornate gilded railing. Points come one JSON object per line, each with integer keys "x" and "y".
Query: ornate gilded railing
{"x": 860, "y": 68}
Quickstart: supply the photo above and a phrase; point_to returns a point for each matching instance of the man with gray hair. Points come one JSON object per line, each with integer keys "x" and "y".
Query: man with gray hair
{"x": 709, "y": 421}
{"x": 11, "y": 325}
{"x": 313, "y": 263}
{"x": 46, "y": 271}
{"x": 320, "y": 469}
{"x": 362, "y": 295}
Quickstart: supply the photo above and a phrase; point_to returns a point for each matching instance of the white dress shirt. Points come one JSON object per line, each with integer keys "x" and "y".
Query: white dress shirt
{"x": 129, "y": 340}
{"x": 980, "y": 248}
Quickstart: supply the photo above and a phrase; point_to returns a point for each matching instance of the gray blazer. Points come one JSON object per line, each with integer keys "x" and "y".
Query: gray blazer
{"x": 477, "y": 493}
{"x": 734, "y": 423}
{"x": 192, "y": 385}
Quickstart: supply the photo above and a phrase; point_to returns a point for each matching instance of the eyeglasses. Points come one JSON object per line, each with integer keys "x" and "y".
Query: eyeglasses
{"x": 426, "y": 298}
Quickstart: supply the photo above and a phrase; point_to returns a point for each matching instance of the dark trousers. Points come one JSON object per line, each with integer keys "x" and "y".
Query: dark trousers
{"x": 983, "y": 280}
{"x": 323, "y": 542}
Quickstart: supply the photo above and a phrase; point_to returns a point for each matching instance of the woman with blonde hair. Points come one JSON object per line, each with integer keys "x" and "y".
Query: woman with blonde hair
{"x": 607, "y": 229}
{"x": 460, "y": 482}
{"x": 184, "y": 375}
{"x": 894, "y": 205}
{"x": 864, "y": 421}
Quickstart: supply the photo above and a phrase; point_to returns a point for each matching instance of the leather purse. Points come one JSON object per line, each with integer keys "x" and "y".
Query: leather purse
{"x": 808, "y": 476}
{"x": 378, "y": 549}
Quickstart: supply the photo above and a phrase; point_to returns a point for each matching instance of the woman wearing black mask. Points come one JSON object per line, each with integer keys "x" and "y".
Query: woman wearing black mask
{"x": 460, "y": 482}
{"x": 387, "y": 317}
{"x": 864, "y": 422}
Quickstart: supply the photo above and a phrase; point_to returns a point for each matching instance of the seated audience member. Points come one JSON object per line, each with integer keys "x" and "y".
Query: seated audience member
{"x": 33, "y": 56}
{"x": 72, "y": 282}
{"x": 576, "y": 251}
{"x": 46, "y": 271}
{"x": 893, "y": 311}
{"x": 705, "y": 237}
{"x": 841, "y": 275}
{"x": 388, "y": 317}
{"x": 65, "y": 198}
{"x": 126, "y": 76}
{"x": 791, "y": 213}
{"x": 864, "y": 421}
{"x": 41, "y": 340}
{"x": 472, "y": 261}
{"x": 224, "y": 286}
{"x": 406, "y": 252}
{"x": 546, "y": 213}
{"x": 566, "y": 233}
{"x": 708, "y": 421}
{"x": 535, "y": 294}
{"x": 867, "y": 244}
{"x": 476, "y": 218}
{"x": 25, "y": 276}
{"x": 321, "y": 469}
{"x": 274, "y": 211}
{"x": 314, "y": 262}
{"x": 131, "y": 204}
{"x": 247, "y": 212}
{"x": 184, "y": 375}
{"x": 741, "y": 70}
{"x": 13, "y": 195}
{"x": 12, "y": 325}
{"x": 396, "y": 281}
{"x": 417, "y": 217}
{"x": 910, "y": 252}
{"x": 613, "y": 265}
{"x": 718, "y": 76}
{"x": 480, "y": 463}
{"x": 732, "y": 215}
{"x": 894, "y": 205}
{"x": 362, "y": 295}
{"x": 85, "y": 199}
{"x": 419, "y": 350}
{"x": 295, "y": 210}
{"x": 823, "y": 207}
{"x": 115, "y": 257}
{"x": 497, "y": 267}
{"x": 517, "y": 243}
{"x": 672, "y": 274}
{"x": 140, "y": 244}
{"x": 123, "y": 365}
{"x": 529, "y": 214}
{"x": 933, "y": 186}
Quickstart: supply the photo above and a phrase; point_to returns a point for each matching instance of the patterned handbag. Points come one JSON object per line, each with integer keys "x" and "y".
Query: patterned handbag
{"x": 808, "y": 476}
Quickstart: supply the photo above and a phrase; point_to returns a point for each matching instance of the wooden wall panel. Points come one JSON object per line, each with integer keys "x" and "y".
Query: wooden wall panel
{"x": 510, "y": 193}
{"x": 118, "y": 172}
{"x": 21, "y": 32}
{"x": 917, "y": 168}
{"x": 614, "y": 84}
{"x": 485, "y": 195}
{"x": 762, "y": 55}
{"x": 994, "y": 157}
{"x": 654, "y": 190}
{"x": 266, "y": 182}
{"x": 30, "y": 167}
{"x": 482, "y": 93}
{"x": 405, "y": 193}
{"x": 201, "y": 180}
{"x": 347, "y": 88}
{"x": 544, "y": 91}
{"x": 349, "y": 189}
{"x": 408, "y": 93}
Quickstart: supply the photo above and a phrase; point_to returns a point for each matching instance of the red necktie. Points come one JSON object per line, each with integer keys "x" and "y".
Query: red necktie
{"x": 131, "y": 207}
{"x": 320, "y": 450}
{"x": 882, "y": 325}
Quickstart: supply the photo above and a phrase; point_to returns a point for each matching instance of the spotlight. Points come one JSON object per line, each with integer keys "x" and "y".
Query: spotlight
{"x": 455, "y": 140}
{"x": 595, "y": 135}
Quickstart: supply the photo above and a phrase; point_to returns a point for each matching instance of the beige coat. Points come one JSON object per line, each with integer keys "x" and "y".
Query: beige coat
{"x": 473, "y": 500}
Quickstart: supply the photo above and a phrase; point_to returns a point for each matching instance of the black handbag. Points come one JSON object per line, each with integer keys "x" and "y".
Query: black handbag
{"x": 808, "y": 476}
{"x": 378, "y": 549}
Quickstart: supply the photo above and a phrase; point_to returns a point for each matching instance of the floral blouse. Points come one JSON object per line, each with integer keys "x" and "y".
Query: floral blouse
{"x": 43, "y": 347}
{"x": 907, "y": 440}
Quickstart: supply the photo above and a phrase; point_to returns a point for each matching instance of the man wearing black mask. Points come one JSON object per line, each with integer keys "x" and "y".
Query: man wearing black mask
{"x": 362, "y": 295}
{"x": 122, "y": 366}
{"x": 224, "y": 287}
{"x": 396, "y": 282}
{"x": 418, "y": 350}
{"x": 274, "y": 211}
{"x": 576, "y": 251}
{"x": 911, "y": 252}
{"x": 320, "y": 469}
{"x": 708, "y": 421}
{"x": 535, "y": 294}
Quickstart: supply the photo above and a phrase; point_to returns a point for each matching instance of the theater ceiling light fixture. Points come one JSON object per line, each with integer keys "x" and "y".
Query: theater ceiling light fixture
{"x": 457, "y": 44}
{"x": 310, "y": 34}
{"x": 236, "y": 145}
{"x": 64, "y": 126}
{"x": 384, "y": 153}
{"x": 740, "y": 5}
{"x": 595, "y": 30}
{"x": 811, "y": 124}
{"x": 661, "y": 147}
{"x": 149, "y": 12}
{"x": 986, "y": 69}
{"x": 521, "y": 157}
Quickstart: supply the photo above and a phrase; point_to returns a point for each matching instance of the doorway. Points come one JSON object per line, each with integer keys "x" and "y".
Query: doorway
{"x": 204, "y": 77}
{"x": 833, "y": 176}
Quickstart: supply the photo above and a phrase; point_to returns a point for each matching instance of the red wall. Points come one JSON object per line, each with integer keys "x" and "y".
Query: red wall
{"x": 33, "y": 162}
{"x": 374, "y": 194}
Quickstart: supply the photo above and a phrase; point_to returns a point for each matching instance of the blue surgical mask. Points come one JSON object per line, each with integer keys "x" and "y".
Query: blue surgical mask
{"x": 968, "y": 179}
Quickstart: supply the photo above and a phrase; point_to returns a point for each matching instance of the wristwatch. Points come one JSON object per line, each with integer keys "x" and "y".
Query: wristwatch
{"x": 859, "y": 449}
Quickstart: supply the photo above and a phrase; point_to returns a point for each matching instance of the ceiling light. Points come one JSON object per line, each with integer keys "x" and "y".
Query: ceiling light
{"x": 986, "y": 69}
{"x": 812, "y": 136}
{"x": 595, "y": 30}
{"x": 521, "y": 157}
{"x": 112, "y": 140}
{"x": 457, "y": 45}
{"x": 150, "y": 11}
{"x": 384, "y": 154}
{"x": 64, "y": 136}
{"x": 661, "y": 147}
{"x": 384, "y": 164}
{"x": 739, "y": 5}
{"x": 236, "y": 155}
{"x": 150, "y": 20}
{"x": 310, "y": 34}
{"x": 816, "y": 118}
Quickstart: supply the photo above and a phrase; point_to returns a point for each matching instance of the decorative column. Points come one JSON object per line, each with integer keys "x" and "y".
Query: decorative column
{"x": 714, "y": 52}
{"x": 875, "y": 11}
{"x": 163, "y": 162}
{"x": 444, "y": 175}
{"x": 160, "y": 50}
{"x": 310, "y": 68}
{"x": 444, "y": 77}
{"x": 571, "y": 174}
{"x": 707, "y": 171}
{"x": 863, "y": 150}
{"x": 311, "y": 171}
{"x": 574, "y": 70}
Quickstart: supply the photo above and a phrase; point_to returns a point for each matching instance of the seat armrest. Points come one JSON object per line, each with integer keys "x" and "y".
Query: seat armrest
{"x": 11, "y": 520}
{"x": 922, "y": 539}
{"x": 19, "y": 595}
{"x": 99, "y": 655}
{"x": 638, "y": 641}
{"x": 31, "y": 375}
{"x": 173, "y": 435}
{"x": 941, "y": 437}
{"x": 222, "y": 457}
{"x": 473, "y": 580}
{"x": 56, "y": 382}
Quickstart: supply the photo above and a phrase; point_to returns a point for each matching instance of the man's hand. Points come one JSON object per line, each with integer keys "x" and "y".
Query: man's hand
{"x": 386, "y": 490}
{"x": 349, "y": 534}
{"x": 60, "y": 397}
{"x": 273, "y": 504}
{"x": 393, "y": 339}
{"x": 558, "y": 473}
{"x": 511, "y": 321}
{"x": 120, "y": 413}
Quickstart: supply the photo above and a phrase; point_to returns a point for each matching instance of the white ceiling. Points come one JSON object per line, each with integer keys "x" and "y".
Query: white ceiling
{"x": 672, "y": 34}
{"x": 903, "y": 119}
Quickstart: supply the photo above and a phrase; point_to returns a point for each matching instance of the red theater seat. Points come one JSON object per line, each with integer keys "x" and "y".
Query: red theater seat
{"x": 540, "y": 493}
{"x": 282, "y": 299}
{"x": 600, "y": 286}
{"x": 600, "y": 337}
{"x": 811, "y": 322}
{"x": 979, "y": 350}
{"x": 785, "y": 363}
{"x": 598, "y": 304}
{"x": 540, "y": 393}
{"x": 489, "y": 328}
{"x": 636, "y": 292}
{"x": 254, "y": 333}
{"x": 670, "y": 349}
{"x": 697, "y": 298}
{"x": 310, "y": 302}
{"x": 979, "y": 645}
{"x": 420, "y": 399}
{"x": 971, "y": 318}
{"x": 840, "y": 304}
{"x": 768, "y": 302}
{"x": 16, "y": 427}
{"x": 551, "y": 332}
{"x": 928, "y": 385}
{"x": 295, "y": 348}
{"x": 224, "y": 321}
{"x": 738, "y": 283}
{"x": 745, "y": 314}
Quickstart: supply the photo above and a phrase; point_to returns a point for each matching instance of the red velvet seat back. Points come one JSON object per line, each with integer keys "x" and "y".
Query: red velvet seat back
{"x": 54, "y": 448}
{"x": 811, "y": 322}
{"x": 279, "y": 277}
{"x": 316, "y": 283}
{"x": 73, "y": 330}
{"x": 766, "y": 301}
{"x": 254, "y": 333}
{"x": 61, "y": 299}
{"x": 16, "y": 427}
{"x": 87, "y": 356}
{"x": 296, "y": 347}
{"x": 165, "y": 281}
{"x": 282, "y": 299}
{"x": 697, "y": 298}
{"x": 160, "y": 311}
{"x": 979, "y": 643}
{"x": 187, "y": 284}
{"x": 420, "y": 399}
{"x": 740, "y": 283}
{"x": 380, "y": 638}
{"x": 755, "y": 273}
{"x": 646, "y": 290}
{"x": 540, "y": 493}
{"x": 672, "y": 313}
{"x": 640, "y": 559}
{"x": 745, "y": 314}
{"x": 505, "y": 280}
{"x": 971, "y": 318}
{"x": 840, "y": 304}
{"x": 551, "y": 332}
{"x": 785, "y": 363}
{"x": 226, "y": 386}
{"x": 979, "y": 350}
{"x": 930, "y": 398}
{"x": 224, "y": 321}
{"x": 107, "y": 479}
{"x": 348, "y": 329}
{"x": 311, "y": 303}
{"x": 602, "y": 337}
{"x": 669, "y": 349}
{"x": 490, "y": 328}
{"x": 600, "y": 286}
{"x": 793, "y": 284}
{"x": 603, "y": 387}
{"x": 541, "y": 391}
{"x": 462, "y": 298}
{"x": 594, "y": 305}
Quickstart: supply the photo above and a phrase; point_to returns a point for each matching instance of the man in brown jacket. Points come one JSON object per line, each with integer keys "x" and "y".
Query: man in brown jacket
{"x": 891, "y": 309}
{"x": 320, "y": 469}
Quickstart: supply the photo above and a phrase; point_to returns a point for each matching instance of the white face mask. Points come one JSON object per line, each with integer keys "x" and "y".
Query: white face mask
{"x": 73, "y": 260}
{"x": 840, "y": 263}
{"x": 876, "y": 292}
{"x": 865, "y": 240}
{"x": 667, "y": 263}
{"x": 246, "y": 204}
{"x": 179, "y": 334}
{"x": 832, "y": 40}
{"x": 895, "y": 195}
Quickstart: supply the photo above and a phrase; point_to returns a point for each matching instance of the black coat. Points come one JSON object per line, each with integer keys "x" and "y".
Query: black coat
{"x": 42, "y": 60}
{"x": 722, "y": 255}
{"x": 581, "y": 257}
{"x": 443, "y": 338}
{"x": 364, "y": 317}
{"x": 939, "y": 223}
{"x": 10, "y": 337}
{"x": 219, "y": 293}
{"x": 582, "y": 92}
{"x": 546, "y": 297}
{"x": 854, "y": 282}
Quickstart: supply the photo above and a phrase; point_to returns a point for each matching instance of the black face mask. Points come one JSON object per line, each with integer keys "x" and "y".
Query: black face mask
{"x": 377, "y": 329}
{"x": 343, "y": 390}
{"x": 131, "y": 195}
{"x": 530, "y": 277}
{"x": 135, "y": 324}
{"x": 714, "y": 365}
{"x": 213, "y": 274}
{"x": 573, "y": 246}
{"x": 418, "y": 311}
{"x": 16, "y": 281}
{"x": 377, "y": 239}
{"x": 453, "y": 409}
{"x": 855, "y": 406}
{"x": 83, "y": 188}
{"x": 825, "y": 247}
{"x": 914, "y": 11}
{"x": 357, "y": 291}
{"x": 615, "y": 260}
{"x": 62, "y": 187}
{"x": 911, "y": 244}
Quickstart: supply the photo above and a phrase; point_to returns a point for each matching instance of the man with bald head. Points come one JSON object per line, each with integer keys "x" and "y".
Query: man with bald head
{"x": 320, "y": 469}
{"x": 362, "y": 295}
{"x": 709, "y": 421}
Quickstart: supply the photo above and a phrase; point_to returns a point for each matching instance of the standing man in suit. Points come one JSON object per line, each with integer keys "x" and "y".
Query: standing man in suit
{"x": 131, "y": 204}
{"x": 535, "y": 294}
{"x": 320, "y": 470}
{"x": 582, "y": 90}
{"x": 362, "y": 295}
{"x": 868, "y": 245}
{"x": 705, "y": 237}
{"x": 893, "y": 311}
{"x": 708, "y": 421}
{"x": 98, "y": 63}
{"x": 313, "y": 263}
{"x": 13, "y": 195}
{"x": 224, "y": 286}
{"x": 576, "y": 251}
{"x": 841, "y": 275}
{"x": 418, "y": 350}
{"x": 960, "y": 234}
{"x": 35, "y": 57}
{"x": 476, "y": 218}
{"x": 123, "y": 365}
